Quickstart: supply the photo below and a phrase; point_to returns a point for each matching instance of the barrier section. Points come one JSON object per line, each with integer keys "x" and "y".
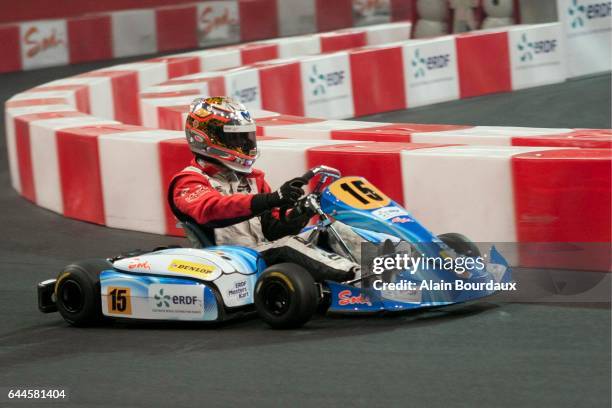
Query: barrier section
{"x": 332, "y": 15}
{"x": 537, "y": 55}
{"x": 484, "y": 135}
{"x": 14, "y": 109}
{"x": 545, "y": 179}
{"x": 326, "y": 87}
{"x": 587, "y": 138}
{"x": 563, "y": 196}
{"x": 480, "y": 135}
{"x": 38, "y": 154}
{"x": 81, "y": 180}
{"x": 276, "y": 93}
{"x": 399, "y": 132}
{"x": 289, "y": 154}
{"x": 91, "y": 30}
{"x": 296, "y": 17}
{"x": 377, "y": 74}
{"x": 430, "y": 71}
{"x": 587, "y": 25}
{"x": 380, "y": 163}
{"x": 462, "y": 188}
{"x": 377, "y": 78}
{"x": 479, "y": 74}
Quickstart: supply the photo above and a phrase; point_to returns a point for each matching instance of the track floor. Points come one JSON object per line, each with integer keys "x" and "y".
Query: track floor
{"x": 486, "y": 354}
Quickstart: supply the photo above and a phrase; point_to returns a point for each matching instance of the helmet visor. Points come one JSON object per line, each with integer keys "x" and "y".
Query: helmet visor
{"x": 241, "y": 139}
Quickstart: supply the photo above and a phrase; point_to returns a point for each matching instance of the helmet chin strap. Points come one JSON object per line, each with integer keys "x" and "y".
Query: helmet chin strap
{"x": 204, "y": 160}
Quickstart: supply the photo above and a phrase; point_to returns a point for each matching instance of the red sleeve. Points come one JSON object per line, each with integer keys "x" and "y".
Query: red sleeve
{"x": 194, "y": 196}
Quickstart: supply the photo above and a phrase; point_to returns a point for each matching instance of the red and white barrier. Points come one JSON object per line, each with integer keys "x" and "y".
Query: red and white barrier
{"x": 509, "y": 184}
{"x": 481, "y": 193}
{"x": 381, "y": 78}
{"x": 106, "y": 35}
{"x": 123, "y": 82}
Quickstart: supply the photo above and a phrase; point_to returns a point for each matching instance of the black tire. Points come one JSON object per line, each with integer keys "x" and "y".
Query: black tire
{"x": 286, "y": 296}
{"x": 461, "y": 244}
{"x": 77, "y": 292}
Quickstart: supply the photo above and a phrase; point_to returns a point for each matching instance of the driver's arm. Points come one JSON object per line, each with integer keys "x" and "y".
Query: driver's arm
{"x": 273, "y": 228}
{"x": 194, "y": 196}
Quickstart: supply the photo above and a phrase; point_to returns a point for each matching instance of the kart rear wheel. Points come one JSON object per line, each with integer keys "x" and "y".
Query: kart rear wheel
{"x": 286, "y": 296}
{"x": 461, "y": 244}
{"x": 77, "y": 292}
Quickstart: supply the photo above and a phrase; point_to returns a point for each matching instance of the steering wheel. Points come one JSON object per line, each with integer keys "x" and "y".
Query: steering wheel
{"x": 299, "y": 207}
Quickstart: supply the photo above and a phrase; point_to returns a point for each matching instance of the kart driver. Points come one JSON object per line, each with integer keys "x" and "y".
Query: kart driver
{"x": 232, "y": 203}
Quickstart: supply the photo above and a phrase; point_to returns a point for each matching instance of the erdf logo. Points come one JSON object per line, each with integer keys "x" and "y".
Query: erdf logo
{"x": 164, "y": 300}
{"x": 528, "y": 48}
{"x": 578, "y": 12}
{"x": 184, "y": 300}
{"x": 423, "y": 64}
{"x": 322, "y": 81}
{"x": 246, "y": 95}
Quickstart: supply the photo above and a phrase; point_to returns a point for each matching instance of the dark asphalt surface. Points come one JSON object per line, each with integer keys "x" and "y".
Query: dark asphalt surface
{"x": 487, "y": 354}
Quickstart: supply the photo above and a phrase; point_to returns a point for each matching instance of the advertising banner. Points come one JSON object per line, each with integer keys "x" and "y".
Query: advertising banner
{"x": 296, "y": 17}
{"x": 218, "y": 23}
{"x": 243, "y": 85}
{"x": 431, "y": 71}
{"x": 537, "y": 55}
{"x": 367, "y": 12}
{"x": 44, "y": 43}
{"x": 134, "y": 33}
{"x": 326, "y": 87}
{"x": 587, "y": 25}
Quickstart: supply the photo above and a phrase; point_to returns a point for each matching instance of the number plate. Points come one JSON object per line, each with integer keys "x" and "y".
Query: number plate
{"x": 119, "y": 300}
{"x": 358, "y": 193}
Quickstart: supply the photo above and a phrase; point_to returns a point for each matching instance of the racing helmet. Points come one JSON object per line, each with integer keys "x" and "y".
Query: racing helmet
{"x": 221, "y": 128}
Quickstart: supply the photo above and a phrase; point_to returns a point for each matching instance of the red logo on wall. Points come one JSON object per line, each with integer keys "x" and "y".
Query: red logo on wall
{"x": 366, "y": 6}
{"x": 212, "y": 22}
{"x": 38, "y": 43}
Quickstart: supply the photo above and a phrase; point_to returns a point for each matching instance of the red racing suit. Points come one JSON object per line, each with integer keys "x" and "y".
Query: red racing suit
{"x": 220, "y": 201}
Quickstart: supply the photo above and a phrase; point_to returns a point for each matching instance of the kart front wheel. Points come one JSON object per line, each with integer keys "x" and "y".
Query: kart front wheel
{"x": 286, "y": 296}
{"x": 77, "y": 292}
{"x": 461, "y": 244}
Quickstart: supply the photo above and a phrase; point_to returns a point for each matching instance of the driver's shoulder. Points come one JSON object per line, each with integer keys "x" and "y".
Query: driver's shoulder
{"x": 190, "y": 174}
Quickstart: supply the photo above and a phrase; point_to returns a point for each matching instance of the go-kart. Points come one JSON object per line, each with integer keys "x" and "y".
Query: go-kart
{"x": 217, "y": 283}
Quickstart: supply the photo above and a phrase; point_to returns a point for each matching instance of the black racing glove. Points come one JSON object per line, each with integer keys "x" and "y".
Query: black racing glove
{"x": 287, "y": 195}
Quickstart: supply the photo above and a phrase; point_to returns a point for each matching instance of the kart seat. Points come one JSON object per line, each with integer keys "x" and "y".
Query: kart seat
{"x": 195, "y": 234}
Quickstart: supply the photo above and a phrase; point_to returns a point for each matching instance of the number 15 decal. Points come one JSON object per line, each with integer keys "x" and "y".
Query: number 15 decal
{"x": 359, "y": 193}
{"x": 119, "y": 301}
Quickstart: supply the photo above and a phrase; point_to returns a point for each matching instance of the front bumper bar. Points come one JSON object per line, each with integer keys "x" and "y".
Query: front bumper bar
{"x": 46, "y": 296}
